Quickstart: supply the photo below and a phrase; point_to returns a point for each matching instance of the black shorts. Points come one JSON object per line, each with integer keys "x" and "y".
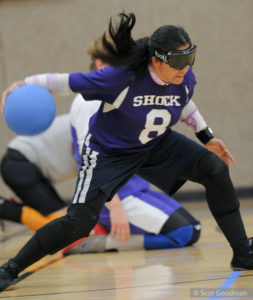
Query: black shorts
{"x": 102, "y": 175}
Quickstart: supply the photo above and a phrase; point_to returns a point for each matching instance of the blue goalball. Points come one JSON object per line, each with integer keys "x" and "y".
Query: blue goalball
{"x": 29, "y": 110}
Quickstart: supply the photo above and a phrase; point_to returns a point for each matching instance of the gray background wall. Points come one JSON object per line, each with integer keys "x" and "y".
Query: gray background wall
{"x": 39, "y": 36}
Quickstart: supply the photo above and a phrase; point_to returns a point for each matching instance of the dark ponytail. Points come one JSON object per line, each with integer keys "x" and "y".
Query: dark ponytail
{"x": 120, "y": 49}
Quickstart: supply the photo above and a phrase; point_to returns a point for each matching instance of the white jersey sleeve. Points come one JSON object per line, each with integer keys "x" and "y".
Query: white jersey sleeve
{"x": 80, "y": 114}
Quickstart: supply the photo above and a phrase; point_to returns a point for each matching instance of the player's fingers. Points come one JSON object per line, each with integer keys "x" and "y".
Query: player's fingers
{"x": 112, "y": 232}
{"x": 230, "y": 156}
{"x": 2, "y": 110}
{"x": 226, "y": 160}
{"x": 118, "y": 236}
{"x": 225, "y": 152}
{"x": 116, "y": 232}
{"x": 127, "y": 233}
{"x": 10, "y": 89}
{"x": 5, "y": 93}
{"x": 126, "y": 237}
{"x": 121, "y": 235}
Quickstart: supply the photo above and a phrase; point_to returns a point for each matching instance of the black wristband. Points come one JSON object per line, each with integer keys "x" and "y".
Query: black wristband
{"x": 205, "y": 135}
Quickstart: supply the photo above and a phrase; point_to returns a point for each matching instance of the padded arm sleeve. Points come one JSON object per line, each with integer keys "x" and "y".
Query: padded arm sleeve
{"x": 55, "y": 83}
{"x": 192, "y": 117}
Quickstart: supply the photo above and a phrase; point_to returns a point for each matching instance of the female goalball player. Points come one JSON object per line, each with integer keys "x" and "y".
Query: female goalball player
{"x": 143, "y": 94}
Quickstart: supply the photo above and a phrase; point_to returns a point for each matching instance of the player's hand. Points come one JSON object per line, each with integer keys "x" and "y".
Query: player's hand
{"x": 119, "y": 224}
{"x": 218, "y": 147}
{"x": 120, "y": 227}
{"x": 10, "y": 89}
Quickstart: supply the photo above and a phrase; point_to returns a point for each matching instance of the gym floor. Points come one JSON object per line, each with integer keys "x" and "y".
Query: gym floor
{"x": 197, "y": 272}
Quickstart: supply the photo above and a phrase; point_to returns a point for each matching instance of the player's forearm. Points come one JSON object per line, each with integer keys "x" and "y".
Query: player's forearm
{"x": 115, "y": 202}
{"x": 192, "y": 117}
{"x": 55, "y": 83}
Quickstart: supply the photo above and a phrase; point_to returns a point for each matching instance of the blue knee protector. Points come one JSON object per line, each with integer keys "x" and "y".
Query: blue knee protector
{"x": 183, "y": 236}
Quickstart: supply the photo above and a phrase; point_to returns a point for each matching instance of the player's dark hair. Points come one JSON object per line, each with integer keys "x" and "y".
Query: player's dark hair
{"x": 136, "y": 54}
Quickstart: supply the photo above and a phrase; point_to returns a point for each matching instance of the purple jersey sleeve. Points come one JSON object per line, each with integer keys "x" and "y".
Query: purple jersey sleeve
{"x": 190, "y": 82}
{"x": 104, "y": 84}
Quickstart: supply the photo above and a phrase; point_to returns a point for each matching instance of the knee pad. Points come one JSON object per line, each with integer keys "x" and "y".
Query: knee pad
{"x": 181, "y": 237}
{"x": 183, "y": 227}
{"x": 210, "y": 169}
{"x": 63, "y": 231}
{"x": 196, "y": 231}
{"x": 185, "y": 235}
{"x": 206, "y": 167}
{"x": 84, "y": 218}
{"x": 213, "y": 173}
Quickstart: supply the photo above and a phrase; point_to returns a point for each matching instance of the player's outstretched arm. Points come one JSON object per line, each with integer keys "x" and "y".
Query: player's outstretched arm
{"x": 55, "y": 83}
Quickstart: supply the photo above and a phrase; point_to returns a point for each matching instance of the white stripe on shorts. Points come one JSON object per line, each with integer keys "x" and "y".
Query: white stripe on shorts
{"x": 89, "y": 163}
{"x": 144, "y": 215}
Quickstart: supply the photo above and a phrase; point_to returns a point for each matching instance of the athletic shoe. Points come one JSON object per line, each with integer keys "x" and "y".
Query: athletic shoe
{"x": 94, "y": 243}
{"x": 8, "y": 273}
{"x": 3, "y": 200}
{"x": 243, "y": 263}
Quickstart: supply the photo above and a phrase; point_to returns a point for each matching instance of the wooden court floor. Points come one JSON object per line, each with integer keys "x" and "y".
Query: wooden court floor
{"x": 190, "y": 273}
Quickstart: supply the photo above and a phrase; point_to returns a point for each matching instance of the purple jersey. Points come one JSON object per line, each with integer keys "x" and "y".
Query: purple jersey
{"x": 135, "y": 113}
{"x": 134, "y": 185}
{"x": 81, "y": 112}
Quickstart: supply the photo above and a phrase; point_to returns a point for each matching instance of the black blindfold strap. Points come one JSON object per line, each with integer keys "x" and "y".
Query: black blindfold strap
{"x": 165, "y": 55}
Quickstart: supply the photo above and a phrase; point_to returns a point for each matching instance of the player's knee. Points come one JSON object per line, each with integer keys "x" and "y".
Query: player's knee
{"x": 63, "y": 231}
{"x": 196, "y": 231}
{"x": 214, "y": 175}
{"x": 185, "y": 235}
{"x": 182, "y": 228}
{"x": 181, "y": 237}
{"x": 211, "y": 169}
{"x": 83, "y": 219}
{"x": 54, "y": 235}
